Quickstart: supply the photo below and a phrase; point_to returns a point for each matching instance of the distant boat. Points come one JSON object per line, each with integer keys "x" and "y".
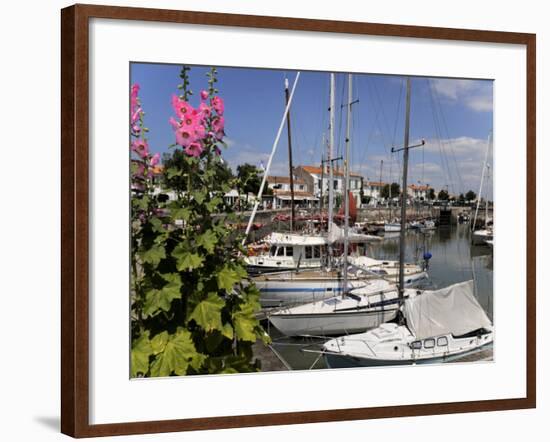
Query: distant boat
{"x": 292, "y": 288}
{"x": 392, "y": 227}
{"x": 441, "y": 326}
{"x": 289, "y": 251}
{"x": 481, "y": 236}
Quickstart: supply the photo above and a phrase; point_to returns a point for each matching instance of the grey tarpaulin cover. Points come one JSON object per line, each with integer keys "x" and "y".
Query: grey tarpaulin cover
{"x": 453, "y": 309}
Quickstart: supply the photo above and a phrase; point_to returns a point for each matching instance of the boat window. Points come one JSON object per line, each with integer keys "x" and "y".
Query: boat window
{"x": 280, "y": 251}
{"x": 317, "y": 251}
{"x": 429, "y": 343}
{"x": 309, "y": 252}
{"x": 289, "y": 251}
{"x": 273, "y": 251}
{"x": 442, "y": 341}
{"x": 416, "y": 345}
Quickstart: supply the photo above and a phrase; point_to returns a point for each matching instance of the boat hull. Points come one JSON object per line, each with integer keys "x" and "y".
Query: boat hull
{"x": 337, "y": 360}
{"x": 331, "y": 324}
{"x": 291, "y": 292}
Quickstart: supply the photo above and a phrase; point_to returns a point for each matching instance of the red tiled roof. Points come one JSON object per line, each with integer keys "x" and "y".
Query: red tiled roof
{"x": 317, "y": 171}
{"x": 284, "y": 180}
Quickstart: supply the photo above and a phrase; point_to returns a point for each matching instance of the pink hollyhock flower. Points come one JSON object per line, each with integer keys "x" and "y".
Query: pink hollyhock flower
{"x": 185, "y": 135}
{"x": 204, "y": 95}
{"x": 134, "y": 95}
{"x": 155, "y": 160}
{"x": 136, "y": 115}
{"x": 205, "y": 110}
{"x": 181, "y": 107}
{"x": 175, "y": 125}
{"x": 218, "y": 124}
{"x": 136, "y": 129}
{"x": 217, "y": 104}
{"x": 194, "y": 149}
{"x": 140, "y": 147}
{"x": 217, "y": 150}
{"x": 200, "y": 131}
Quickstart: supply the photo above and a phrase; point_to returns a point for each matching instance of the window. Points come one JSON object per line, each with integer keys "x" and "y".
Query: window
{"x": 273, "y": 251}
{"x": 280, "y": 251}
{"x": 416, "y": 345}
{"x": 335, "y": 184}
{"x": 317, "y": 251}
{"x": 289, "y": 251}
{"x": 429, "y": 343}
{"x": 309, "y": 252}
{"x": 442, "y": 341}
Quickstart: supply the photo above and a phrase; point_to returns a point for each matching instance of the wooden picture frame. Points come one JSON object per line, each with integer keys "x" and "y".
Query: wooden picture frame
{"x": 75, "y": 219}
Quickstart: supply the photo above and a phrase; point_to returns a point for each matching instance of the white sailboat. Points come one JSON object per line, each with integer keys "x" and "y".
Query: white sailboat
{"x": 440, "y": 326}
{"x": 372, "y": 304}
{"x": 481, "y": 236}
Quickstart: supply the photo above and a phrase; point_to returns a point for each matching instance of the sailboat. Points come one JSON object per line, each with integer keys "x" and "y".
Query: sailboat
{"x": 440, "y": 326}
{"x": 481, "y": 236}
{"x": 352, "y": 310}
{"x": 436, "y": 325}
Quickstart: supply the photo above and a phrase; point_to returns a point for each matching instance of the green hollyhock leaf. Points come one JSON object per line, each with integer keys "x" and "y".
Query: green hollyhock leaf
{"x": 161, "y": 299}
{"x": 172, "y": 172}
{"x": 208, "y": 313}
{"x": 227, "y": 331}
{"x": 245, "y": 322}
{"x": 213, "y": 204}
{"x": 227, "y": 278}
{"x": 141, "y": 350}
{"x": 157, "y": 226}
{"x": 185, "y": 259}
{"x": 199, "y": 196}
{"x": 208, "y": 240}
{"x": 158, "y": 343}
{"x": 153, "y": 255}
{"x": 178, "y": 355}
{"x": 190, "y": 261}
{"x": 182, "y": 213}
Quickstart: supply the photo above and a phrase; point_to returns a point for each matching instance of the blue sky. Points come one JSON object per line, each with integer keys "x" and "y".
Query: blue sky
{"x": 454, "y": 116}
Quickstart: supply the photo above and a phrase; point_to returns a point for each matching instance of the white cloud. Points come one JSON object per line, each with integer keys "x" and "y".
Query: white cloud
{"x": 477, "y": 95}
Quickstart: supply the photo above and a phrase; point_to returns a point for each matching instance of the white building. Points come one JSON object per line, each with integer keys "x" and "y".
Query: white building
{"x": 311, "y": 175}
{"x": 373, "y": 189}
{"x": 281, "y": 198}
{"x": 418, "y": 193}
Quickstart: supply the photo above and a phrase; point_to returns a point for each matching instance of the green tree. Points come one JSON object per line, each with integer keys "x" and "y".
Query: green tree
{"x": 461, "y": 198}
{"x": 431, "y": 193}
{"x": 193, "y": 308}
{"x": 395, "y": 191}
{"x": 470, "y": 195}
{"x": 443, "y": 195}
{"x": 248, "y": 179}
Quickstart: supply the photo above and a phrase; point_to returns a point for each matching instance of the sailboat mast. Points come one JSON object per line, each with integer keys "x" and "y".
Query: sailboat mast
{"x": 404, "y": 192}
{"x": 380, "y": 187}
{"x": 331, "y": 154}
{"x": 290, "y": 168}
{"x": 346, "y": 185}
{"x": 482, "y": 179}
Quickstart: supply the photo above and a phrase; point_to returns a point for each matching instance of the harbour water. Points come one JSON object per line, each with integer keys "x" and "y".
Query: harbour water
{"x": 453, "y": 260}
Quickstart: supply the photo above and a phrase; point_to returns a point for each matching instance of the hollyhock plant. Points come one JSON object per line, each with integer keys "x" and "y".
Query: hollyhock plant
{"x": 204, "y": 95}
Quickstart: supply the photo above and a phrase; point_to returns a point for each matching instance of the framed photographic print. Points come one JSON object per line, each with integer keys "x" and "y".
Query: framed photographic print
{"x": 273, "y": 220}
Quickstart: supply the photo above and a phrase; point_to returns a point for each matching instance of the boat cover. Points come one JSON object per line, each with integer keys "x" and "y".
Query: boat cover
{"x": 453, "y": 309}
